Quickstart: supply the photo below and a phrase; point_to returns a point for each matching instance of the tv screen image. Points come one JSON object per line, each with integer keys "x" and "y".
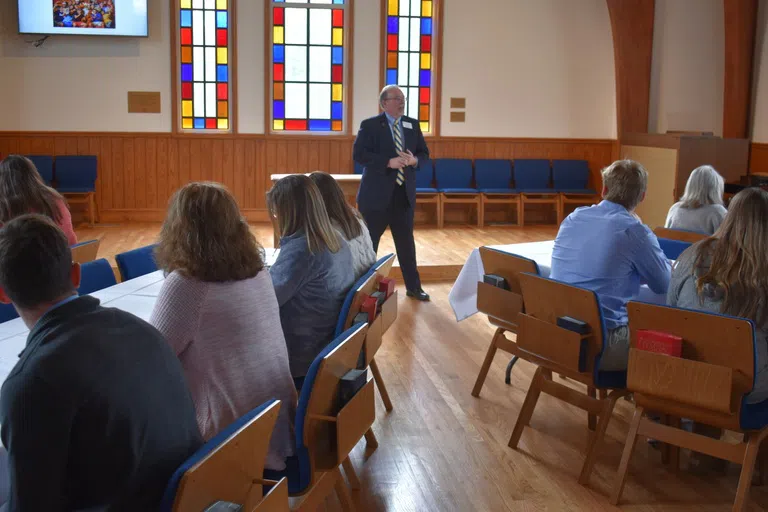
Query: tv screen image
{"x": 83, "y": 17}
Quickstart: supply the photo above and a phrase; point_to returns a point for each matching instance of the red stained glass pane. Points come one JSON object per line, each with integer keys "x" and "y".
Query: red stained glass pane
{"x": 222, "y": 91}
{"x": 426, "y": 43}
{"x": 293, "y": 124}
{"x": 221, "y": 37}
{"x": 278, "y": 15}
{"x": 336, "y": 74}
{"x": 424, "y": 95}
{"x": 210, "y": 123}
{"x": 338, "y": 18}
{"x": 186, "y": 36}
{"x": 277, "y": 73}
{"x": 392, "y": 42}
{"x": 186, "y": 91}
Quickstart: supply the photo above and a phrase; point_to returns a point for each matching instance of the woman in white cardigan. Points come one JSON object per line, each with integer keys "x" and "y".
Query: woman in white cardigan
{"x": 348, "y": 221}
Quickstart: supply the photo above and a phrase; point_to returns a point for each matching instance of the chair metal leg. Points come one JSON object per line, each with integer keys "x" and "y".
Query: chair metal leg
{"x": 508, "y": 375}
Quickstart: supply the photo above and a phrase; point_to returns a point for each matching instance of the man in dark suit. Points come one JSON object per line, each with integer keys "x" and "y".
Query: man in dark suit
{"x": 390, "y": 147}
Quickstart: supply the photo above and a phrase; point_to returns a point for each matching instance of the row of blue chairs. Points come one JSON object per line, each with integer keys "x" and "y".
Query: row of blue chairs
{"x": 74, "y": 176}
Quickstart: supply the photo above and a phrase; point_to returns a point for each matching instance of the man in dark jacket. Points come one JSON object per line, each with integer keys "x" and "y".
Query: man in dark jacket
{"x": 96, "y": 414}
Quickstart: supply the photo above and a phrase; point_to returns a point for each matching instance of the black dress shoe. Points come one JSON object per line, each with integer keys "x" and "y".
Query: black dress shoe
{"x": 417, "y": 294}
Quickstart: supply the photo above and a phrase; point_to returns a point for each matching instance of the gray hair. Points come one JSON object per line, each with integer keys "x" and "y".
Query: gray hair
{"x": 705, "y": 186}
{"x": 385, "y": 91}
{"x": 625, "y": 181}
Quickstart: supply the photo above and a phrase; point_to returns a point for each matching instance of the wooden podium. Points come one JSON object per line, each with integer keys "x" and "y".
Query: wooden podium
{"x": 670, "y": 159}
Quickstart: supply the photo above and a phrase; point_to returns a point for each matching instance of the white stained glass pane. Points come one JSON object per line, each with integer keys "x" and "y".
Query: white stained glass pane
{"x": 402, "y": 69}
{"x": 210, "y": 4}
{"x": 210, "y": 100}
{"x": 296, "y": 63}
{"x": 404, "y": 31}
{"x": 404, "y": 8}
{"x": 320, "y": 64}
{"x": 319, "y": 101}
{"x": 210, "y": 28}
{"x": 413, "y": 106}
{"x": 320, "y": 26}
{"x": 415, "y": 7}
{"x": 197, "y": 4}
{"x": 199, "y": 95}
{"x": 295, "y": 26}
{"x": 320, "y": 1}
{"x": 197, "y": 28}
{"x": 210, "y": 64}
{"x": 198, "y": 63}
{"x": 415, "y": 34}
{"x": 413, "y": 76}
{"x": 296, "y": 101}
{"x": 405, "y": 95}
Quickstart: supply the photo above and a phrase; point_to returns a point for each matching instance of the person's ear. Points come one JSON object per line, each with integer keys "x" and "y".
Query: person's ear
{"x": 605, "y": 191}
{"x": 75, "y": 275}
{"x": 4, "y": 297}
{"x": 642, "y": 197}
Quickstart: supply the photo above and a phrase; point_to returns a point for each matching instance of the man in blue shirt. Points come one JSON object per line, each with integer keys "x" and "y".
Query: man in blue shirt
{"x": 607, "y": 248}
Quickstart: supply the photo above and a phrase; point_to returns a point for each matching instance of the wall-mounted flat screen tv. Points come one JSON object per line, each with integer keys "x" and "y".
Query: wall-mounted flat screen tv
{"x": 83, "y": 17}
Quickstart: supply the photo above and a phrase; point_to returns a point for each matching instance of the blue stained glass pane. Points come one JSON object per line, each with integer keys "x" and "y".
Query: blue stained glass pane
{"x": 186, "y": 18}
{"x": 337, "y": 110}
{"x": 393, "y": 25}
{"x": 320, "y": 125}
{"x": 338, "y": 1}
{"x": 278, "y": 1}
{"x": 278, "y": 53}
{"x": 186, "y": 72}
{"x": 221, "y": 19}
{"x": 278, "y": 109}
{"x": 425, "y": 78}
{"x": 221, "y": 73}
{"x": 199, "y": 123}
{"x": 391, "y": 77}
{"x": 337, "y": 55}
{"x": 426, "y": 26}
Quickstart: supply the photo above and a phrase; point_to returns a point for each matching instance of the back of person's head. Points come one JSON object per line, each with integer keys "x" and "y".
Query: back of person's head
{"x": 339, "y": 210}
{"x": 22, "y": 190}
{"x": 35, "y": 262}
{"x": 624, "y": 183}
{"x": 296, "y": 203}
{"x": 736, "y": 257}
{"x": 705, "y": 186}
{"x": 204, "y": 236}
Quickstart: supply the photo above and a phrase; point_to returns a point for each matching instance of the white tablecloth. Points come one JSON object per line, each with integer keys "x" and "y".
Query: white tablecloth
{"x": 136, "y": 296}
{"x": 463, "y": 294}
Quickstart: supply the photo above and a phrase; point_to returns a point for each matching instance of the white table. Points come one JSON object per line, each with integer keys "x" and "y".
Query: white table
{"x": 136, "y": 296}
{"x": 463, "y": 294}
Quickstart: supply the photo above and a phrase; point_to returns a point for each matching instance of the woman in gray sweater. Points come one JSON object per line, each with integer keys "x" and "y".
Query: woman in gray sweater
{"x": 701, "y": 208}
{"x": 312, "y": 273}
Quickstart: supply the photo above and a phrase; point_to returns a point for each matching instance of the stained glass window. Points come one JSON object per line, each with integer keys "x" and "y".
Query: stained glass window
{"x": 308, "y": 64}
{"x": 204, "y": 60}
{"x": 409, "y": 63}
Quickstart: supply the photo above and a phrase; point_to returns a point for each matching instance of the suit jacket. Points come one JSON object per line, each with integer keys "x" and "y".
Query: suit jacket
{"x": 374, "y": 147}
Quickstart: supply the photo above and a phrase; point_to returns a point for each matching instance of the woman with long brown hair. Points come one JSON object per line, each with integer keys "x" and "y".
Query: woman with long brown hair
{"x": 348, "y": 221}
{"x": 218, "y": 310}
{"x": 313, "y": 271}
{"x": 22, "y": 190}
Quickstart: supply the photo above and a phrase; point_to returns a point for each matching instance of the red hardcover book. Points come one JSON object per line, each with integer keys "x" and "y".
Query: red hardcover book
{"x": 660, "y": 342}
{"x": 387, "y": 286}
{"x": 369, "y": 307}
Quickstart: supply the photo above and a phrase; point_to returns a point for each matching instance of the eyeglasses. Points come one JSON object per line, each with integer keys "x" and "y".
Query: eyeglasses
{"x": 396, "y": 98}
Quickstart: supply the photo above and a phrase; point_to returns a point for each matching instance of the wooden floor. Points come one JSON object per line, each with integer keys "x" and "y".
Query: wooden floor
{"x": 443, "y": 450}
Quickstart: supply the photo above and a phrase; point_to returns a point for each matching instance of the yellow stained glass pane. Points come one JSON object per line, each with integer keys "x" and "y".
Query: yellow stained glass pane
{"x": 277, "y": 36}
{"x": 221, "y": 55}
{"x": 392, "y": 10}
{"x": 426, "y": 8}
{"x": 424, "y": 126}
{"x": 278, "y": 124}
{"x": 186, "y": 4}
{"x": 426, "y": 61}
{"x": 186, "y": 108}
{"x": 186, "y": 123}
{"x": 336, "y": 92}
{"x": 221, "y": 4}
{"x": 223, "y": 124}
{"x": 338, "y": 36}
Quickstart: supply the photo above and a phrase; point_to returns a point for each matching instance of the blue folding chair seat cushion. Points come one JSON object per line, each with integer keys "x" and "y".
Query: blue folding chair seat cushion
{"x": 426, "y": 190}
{"x": 582, "y": 191}
{"x": 673, "y": 248}
{"x": 137, "y": 262}
{"x": 95, "y": 275}
{"x": 44, "y": 165}
{"x": 458, "y": 190}
{"x": 499, "y": 190}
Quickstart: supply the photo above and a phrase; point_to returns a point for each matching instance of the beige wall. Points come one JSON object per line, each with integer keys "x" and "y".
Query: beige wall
{"x": 760, "y": 76}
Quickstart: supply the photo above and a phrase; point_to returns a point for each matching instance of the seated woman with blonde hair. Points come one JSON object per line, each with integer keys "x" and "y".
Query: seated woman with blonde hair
{"x": 701, "y": 208}
{"x": 218, "y": 311}
{"x": 312, "y": 273}
{"x": 348, "y": 221}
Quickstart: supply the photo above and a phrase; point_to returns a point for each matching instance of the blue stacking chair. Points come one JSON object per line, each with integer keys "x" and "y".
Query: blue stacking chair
{"x": 453, "y": 177}
{"x": 76, "y": 179}
{"x": 96, "y": 275}
{"x": 7, "y": 312}
{"x": 313, "y": 471}
{"x": 532, "y": 182}
{"x": 44, "y": 165}
{"x": 241, "y": 451}
{"x": 494, "y": 181}
{"x": 673, "y": 248}
{"x": 571, "y": 181}
{"x": 358, "y": 168}
{"x": 426, "y": 193}
{"x": 136, "y": 263}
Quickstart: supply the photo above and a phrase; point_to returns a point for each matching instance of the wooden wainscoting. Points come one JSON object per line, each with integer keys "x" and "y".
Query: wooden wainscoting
{"x": 138, "y": 172}
{"x": 758, "y": 158}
